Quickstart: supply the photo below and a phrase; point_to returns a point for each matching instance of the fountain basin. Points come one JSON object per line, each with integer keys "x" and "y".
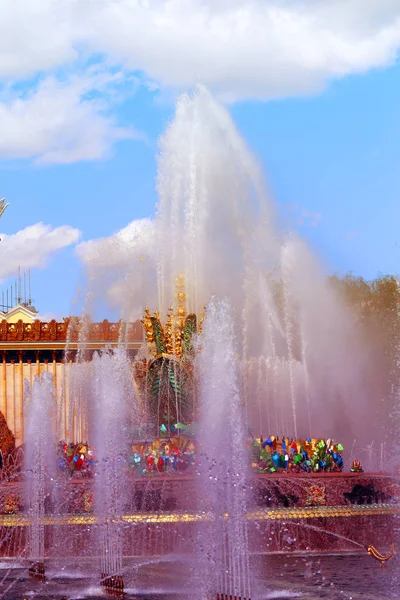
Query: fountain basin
{"x": 331, "y": 512}
{"x": 168, "y": 493}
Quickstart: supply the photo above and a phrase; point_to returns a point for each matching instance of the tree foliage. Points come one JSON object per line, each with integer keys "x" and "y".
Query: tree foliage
{"x": 376, "y": 308}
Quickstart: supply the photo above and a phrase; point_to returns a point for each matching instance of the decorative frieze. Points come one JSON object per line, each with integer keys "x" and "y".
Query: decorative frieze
{"x": 69, "y": 330}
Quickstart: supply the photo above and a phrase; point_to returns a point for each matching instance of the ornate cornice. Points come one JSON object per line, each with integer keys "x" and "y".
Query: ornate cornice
{"x": 68, "y": 329}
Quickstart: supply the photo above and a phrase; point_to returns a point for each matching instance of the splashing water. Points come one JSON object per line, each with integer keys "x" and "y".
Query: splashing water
{"x": 223, "y": 467}
{"x": 111, "y": 420}
{"x": 40, "y": 436}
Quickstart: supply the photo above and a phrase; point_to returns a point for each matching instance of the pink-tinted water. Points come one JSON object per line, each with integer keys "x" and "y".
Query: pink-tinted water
{"x": 309, "y": 577}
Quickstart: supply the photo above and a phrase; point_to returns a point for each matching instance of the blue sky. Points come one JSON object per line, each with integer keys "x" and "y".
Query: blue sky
{"x": 80, "y": 126}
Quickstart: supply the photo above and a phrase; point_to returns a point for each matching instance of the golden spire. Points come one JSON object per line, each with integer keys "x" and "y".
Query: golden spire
{"x": 181, "y": 298}
{"x": 169, "y": 331}
{"x": 180, "y": 315}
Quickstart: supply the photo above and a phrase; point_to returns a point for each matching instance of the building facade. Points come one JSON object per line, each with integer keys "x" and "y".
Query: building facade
{"x": 29, "y": 347}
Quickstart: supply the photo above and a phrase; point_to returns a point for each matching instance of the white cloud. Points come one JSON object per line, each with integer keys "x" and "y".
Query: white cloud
{"x": 133, "y": 242}
{"x": 121, "y": 268}
{"x": 239, "y": 48}
{"x": 36, "y": 36}
{"x": 59, "y": 121}
{"x": 31, "y": 247}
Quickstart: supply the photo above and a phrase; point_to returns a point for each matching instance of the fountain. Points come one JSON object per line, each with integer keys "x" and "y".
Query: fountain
{"x": 223, "y": 467}
{"x": 215, "y": 226}
{"x": 170, "y": 454}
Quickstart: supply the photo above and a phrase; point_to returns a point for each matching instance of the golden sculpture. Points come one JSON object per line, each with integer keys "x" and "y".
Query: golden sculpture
{"x": 201, "y": 320}
{"x": 148, "y": 326}
{"x": 173, "y": 332}
{"x": 382, "y": 558}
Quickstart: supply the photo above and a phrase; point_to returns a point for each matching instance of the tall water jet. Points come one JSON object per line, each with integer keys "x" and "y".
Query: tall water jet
{"x": 40, "y": 449}
{"x": 223, "y": 463}
{"x": 112, "y": 406}
{"x": 210, "y": 187}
